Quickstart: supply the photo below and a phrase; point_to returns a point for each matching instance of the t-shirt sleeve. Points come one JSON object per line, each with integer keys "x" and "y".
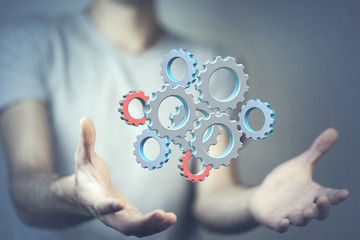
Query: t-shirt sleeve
{"x": 22, "y": 64}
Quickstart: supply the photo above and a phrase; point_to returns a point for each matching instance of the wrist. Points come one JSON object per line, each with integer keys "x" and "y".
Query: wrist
{"x": 65, "y": 189}
{"x": 250, "y": 193}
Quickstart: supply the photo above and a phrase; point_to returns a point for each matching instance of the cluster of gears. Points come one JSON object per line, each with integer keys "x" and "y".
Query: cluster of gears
{"x": 206, "y": 129}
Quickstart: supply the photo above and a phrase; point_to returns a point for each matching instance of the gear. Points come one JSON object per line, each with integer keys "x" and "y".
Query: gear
{"x": 203, "y": 113}
{"x": 189, "y": 114}
{"x": 184, "y": 170}
{"x": 139, "y": 150}
{"x": 238, "y": 94}
{"x": 267, "y": 128}
{"x": 234, "y": 145}
{"x": 190, "y": 62}
{"x": 124, "y": 107}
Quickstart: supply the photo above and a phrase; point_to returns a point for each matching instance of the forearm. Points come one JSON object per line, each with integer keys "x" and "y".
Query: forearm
{"x": 44, "y": 199}
{"x": 225, "y": 210}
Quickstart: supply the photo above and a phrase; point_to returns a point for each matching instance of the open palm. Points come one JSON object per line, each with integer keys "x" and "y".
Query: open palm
{"x": 288, "y": 195}
{"x": 102, "y": 200}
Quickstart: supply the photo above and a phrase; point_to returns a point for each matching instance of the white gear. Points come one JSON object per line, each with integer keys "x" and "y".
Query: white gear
{"x": 267, "y": 128}
{"x": 238, "y": 95}
{"x": 139, "y": 150}
{"x": 231, "y": 151}
{"x": 189, "y": 117}
{"x": 190, "y": 62}
{"x": 190, "y": 108}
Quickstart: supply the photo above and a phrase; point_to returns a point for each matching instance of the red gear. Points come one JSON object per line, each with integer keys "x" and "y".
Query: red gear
{"x": 190, "y": 176}
{"x": 124, "y": 108}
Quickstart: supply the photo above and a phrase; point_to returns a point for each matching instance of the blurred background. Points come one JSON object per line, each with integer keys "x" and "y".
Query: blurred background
{"x": 302, "y": 57}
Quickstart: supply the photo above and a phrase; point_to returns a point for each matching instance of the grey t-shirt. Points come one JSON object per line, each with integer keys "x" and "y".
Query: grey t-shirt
{"x": 70, "y": 65}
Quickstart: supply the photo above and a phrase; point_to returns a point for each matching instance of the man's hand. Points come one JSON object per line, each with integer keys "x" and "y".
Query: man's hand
{"x": 100, "y": 198}
{"x": 288, "y": 195}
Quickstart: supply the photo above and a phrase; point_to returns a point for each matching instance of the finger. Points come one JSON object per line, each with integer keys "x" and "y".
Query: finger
{"x": 86, "y": 145}
{"x": 336, "y": 195}
{"x": 107, "y": 206}
{"x": 322, "y": 208}
{"x": 321, "y": 145}
{"x": 151, "y": 223}
{"x": 283, "y": 225}
{"x": 159, "y": 221}
{"x": 301, "y": 218}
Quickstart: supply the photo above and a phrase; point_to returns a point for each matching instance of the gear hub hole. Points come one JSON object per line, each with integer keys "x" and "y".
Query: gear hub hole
{"x": 178, "y": 69}
{"x": 255, "y": 119}
{"x": 214, "y": 140}
{"x": 195, "y": 165}
{"x": 136, "y": 108}
{"x": 222, "y": 84}
{"x": 151, "y": 149}
{"x": 222, "y": 140}
{"x": 167, "y": 108}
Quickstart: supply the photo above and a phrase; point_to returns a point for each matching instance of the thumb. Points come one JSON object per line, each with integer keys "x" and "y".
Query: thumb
{"x": 85, "y": 150}
{"x": 320, "y": 146}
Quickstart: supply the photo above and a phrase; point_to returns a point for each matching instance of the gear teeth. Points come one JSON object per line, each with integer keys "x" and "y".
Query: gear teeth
{"x": 153, "y": 98}
{"x": 212, "y": 137}
{"x": 203, "y": 107}
{"x": 181, "y": 169}
{"x": 184, "y": 144}
{"x": 178, "y": 116}
{"x": 198, "y": 125}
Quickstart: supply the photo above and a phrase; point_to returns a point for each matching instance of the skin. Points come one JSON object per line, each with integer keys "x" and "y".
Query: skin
{"x": 292, "y": 197}
{"x": 137, "y": 21}
{"x": 94, "y": 190}
{"x": 287, "y": 196}
{"x": 45, "y": 199}
{"x": 42, "y": 198}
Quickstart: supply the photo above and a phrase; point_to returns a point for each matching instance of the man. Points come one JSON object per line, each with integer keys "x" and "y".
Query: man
{"x": 54, "y": 73}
